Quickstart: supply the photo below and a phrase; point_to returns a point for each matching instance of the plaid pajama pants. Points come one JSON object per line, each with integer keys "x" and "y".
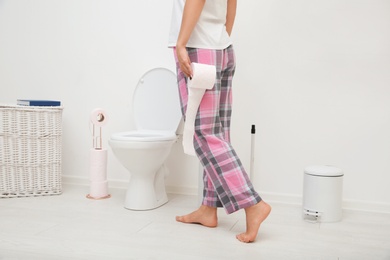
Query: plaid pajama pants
{"x": 226, "y": 184}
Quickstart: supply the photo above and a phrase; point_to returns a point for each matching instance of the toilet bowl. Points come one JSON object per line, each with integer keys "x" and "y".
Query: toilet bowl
{"x": 143, "y": 152}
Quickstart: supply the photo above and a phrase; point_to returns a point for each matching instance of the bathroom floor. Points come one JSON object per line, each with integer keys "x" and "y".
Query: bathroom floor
{"x": 69, "y": 226}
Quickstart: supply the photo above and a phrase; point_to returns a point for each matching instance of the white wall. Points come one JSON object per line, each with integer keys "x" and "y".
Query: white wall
{"x": 313, "y": 76}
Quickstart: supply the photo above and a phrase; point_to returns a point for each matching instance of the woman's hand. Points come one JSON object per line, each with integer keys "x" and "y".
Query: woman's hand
{"x": 184, "y": 60}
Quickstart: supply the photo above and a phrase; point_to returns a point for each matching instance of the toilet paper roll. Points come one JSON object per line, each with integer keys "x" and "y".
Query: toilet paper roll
{"x": 98, "y": 165}
{"x": 99, "y": 190}
{"x": 99, "y": 117}
{"x": 98, "y": 174}
{"x": 203, "y": 78}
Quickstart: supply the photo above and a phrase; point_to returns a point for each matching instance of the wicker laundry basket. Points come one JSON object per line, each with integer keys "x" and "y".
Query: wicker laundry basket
{"x": 30, "y": 151}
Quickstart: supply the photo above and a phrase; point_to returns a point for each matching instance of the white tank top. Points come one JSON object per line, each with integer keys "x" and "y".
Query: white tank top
{"x": 210, "y": 31}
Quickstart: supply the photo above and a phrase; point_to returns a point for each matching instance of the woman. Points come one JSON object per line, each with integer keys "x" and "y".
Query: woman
{"x": 200, "y": 32}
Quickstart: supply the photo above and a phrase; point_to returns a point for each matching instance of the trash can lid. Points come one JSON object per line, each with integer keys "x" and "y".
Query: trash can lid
{"x": 324, "y": 171}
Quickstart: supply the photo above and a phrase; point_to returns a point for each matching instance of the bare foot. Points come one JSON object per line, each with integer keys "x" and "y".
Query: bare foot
{"x": 255, "y": 215}
{"x": 205, "y": 215}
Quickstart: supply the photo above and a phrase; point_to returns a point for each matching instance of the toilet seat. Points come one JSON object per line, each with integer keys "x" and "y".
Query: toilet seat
{"x": 144, "y": 136}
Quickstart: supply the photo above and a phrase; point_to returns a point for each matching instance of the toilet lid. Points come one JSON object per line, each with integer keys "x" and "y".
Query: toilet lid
{"x": 156, "y": 101}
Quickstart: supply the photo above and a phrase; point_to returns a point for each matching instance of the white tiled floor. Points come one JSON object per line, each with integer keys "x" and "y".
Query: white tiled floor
{"x": 69, "y": 226}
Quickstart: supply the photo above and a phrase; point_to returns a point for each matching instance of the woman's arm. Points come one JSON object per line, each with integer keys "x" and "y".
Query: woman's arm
{"x": 230, "y": 15}
{"x": 191, "y": 13}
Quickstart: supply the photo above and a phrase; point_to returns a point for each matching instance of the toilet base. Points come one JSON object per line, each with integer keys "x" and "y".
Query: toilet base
{"x": 146, "y": 192}
{"x": 134, "y": 205}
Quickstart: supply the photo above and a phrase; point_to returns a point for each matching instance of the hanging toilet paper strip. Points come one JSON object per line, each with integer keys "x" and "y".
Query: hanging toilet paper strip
{"x": 203, "y": 78}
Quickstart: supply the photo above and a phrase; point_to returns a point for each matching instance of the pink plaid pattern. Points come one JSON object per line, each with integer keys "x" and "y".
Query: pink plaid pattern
{"x": 225, "y": 181}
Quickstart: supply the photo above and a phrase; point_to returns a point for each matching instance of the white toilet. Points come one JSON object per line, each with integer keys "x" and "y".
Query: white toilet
{"x": 157, "y": 114}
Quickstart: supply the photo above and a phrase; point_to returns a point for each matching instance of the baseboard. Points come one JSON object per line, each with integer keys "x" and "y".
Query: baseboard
{"x": 74, "y": 180}
{"x": 121, "y": 184}
{"x": 271, "y": 197}
{"x": 193, "y": 191}
{"x": 368, "y": 206}
{"x": 282, "y": 198}
{"x": 357, "y": 205}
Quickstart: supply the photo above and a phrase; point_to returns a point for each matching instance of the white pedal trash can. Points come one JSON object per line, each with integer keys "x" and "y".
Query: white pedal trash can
{"x": 322, "y": 194}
